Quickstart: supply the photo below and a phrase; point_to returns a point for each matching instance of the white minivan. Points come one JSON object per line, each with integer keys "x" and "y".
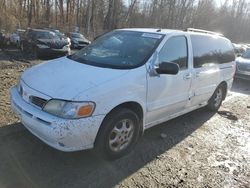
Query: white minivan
{"x": 128, "y": 80}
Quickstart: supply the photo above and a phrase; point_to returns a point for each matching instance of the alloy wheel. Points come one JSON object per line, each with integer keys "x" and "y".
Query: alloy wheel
{"x": 121, "y": 135}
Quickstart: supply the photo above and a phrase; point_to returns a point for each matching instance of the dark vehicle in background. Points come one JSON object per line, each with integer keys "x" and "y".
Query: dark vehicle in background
{"x": 243, "y": 66}
{"x": 42, "y": 42}
{"x": 78, "y": 41}
{"x": 16, "y": 36}
{"x": 60, "y": 34}
{"x": 2, "y": 39}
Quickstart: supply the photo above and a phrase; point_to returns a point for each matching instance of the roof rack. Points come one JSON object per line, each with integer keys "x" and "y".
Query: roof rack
{"x": 203, "y": 31}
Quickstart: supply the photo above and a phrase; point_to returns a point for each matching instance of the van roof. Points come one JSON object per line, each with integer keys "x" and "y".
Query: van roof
{"x": 39, "y": 30}
{"x": 168, "y": 31}
{"x": 204, "y": 31}
{"x": 153, "y": 30}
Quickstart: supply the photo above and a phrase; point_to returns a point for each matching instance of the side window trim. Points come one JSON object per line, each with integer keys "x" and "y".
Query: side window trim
{"x": 187, "y": 47}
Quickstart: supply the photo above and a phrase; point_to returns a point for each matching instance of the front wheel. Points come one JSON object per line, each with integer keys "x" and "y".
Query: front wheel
{"x": 119, "y": 134}
{"x": 215, "y": 101}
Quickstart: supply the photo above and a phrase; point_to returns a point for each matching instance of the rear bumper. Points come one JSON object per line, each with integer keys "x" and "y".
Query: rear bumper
{"x": 62, "y": 134}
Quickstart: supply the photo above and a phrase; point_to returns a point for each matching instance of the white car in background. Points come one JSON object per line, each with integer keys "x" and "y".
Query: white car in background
{"x": 107, "y": 94}
{"x": 243, "y": 66}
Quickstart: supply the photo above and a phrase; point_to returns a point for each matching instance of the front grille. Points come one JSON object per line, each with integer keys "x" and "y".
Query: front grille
{"x": 57, "y": 46}
{"x": 38, "y": 101}
{"x": 30, "y": 115}
{"x": 81, "y": 42}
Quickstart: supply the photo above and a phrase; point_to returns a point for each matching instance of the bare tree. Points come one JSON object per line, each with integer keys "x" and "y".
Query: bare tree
{"x": 93, "y": 17}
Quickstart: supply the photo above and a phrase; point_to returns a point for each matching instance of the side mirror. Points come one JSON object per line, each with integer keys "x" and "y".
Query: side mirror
{"x": 168, "y": 68}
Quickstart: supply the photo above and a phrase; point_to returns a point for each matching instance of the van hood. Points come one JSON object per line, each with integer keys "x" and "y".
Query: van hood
{"x": 63, "y": 78}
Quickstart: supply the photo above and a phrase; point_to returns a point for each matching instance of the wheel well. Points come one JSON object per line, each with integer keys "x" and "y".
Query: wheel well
{"x": 134, "y": 106}
{"x": 224, "y": 86}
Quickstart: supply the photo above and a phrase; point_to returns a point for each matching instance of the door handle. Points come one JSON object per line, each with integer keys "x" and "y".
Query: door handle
{"x": 187, "y": 76}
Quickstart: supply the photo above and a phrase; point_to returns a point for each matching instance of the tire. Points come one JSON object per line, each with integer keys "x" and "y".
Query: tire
{"x": 215, "y": 101}
{"x": 118, "y": 135}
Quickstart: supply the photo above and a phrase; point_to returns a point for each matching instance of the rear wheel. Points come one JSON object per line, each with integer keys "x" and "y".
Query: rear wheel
{"x": 119, "y": 134}
{"x": 215, "y": 101}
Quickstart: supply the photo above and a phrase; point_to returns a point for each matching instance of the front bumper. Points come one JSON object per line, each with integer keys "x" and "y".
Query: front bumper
{"x": 242, "y": 75}
{"x": 53, "y": 52}
{"x": 79, "y": 45}
{"x": 62, "y": 134}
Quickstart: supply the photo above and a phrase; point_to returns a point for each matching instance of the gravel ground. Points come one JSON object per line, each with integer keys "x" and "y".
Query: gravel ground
{"x": 199, "y": 149}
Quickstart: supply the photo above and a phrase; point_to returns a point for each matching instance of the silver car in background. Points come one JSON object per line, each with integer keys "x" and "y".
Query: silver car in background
{"x": 243, "y": 66}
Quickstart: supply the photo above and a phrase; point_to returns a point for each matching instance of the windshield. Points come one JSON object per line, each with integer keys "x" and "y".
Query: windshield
{"x": 119, "y": 49}
{"x": 77, "y": 35}
{"x": 58, "y": 33}
{"x": 246, "y": 54}
{"x": 45, "y": 35}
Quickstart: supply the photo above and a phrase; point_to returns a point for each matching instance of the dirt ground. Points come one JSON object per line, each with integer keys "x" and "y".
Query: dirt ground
{"x": 199, "y": 149}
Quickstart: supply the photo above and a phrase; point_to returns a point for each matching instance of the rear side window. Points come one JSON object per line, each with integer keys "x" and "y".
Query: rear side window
{"x": 175, "y": 50}
{"x": 211, "y": 50}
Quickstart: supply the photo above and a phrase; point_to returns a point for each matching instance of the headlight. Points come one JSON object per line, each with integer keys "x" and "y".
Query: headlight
{"x": 69, "y": 109}
{"x": 42, "y": 46}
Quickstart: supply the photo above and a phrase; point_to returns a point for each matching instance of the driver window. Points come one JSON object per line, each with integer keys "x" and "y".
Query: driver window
{"x": 175, "y": 50}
